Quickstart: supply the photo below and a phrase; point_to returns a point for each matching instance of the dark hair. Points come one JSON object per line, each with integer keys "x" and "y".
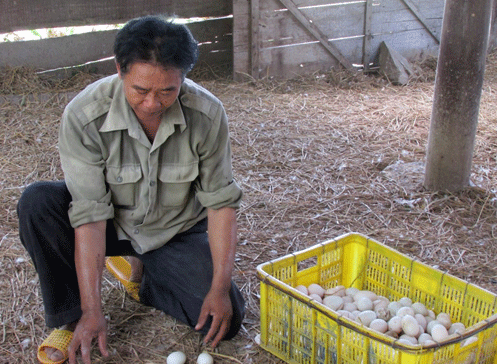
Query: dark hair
{"x": 155, "y": 39}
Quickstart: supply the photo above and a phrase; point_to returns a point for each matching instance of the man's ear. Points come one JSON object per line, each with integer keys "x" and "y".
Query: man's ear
{"x": 119, "y": 70}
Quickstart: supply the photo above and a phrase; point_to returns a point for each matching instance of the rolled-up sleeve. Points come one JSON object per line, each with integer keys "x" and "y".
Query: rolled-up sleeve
{"x": 217, "y": 187}
{"x": 83, "y": 165}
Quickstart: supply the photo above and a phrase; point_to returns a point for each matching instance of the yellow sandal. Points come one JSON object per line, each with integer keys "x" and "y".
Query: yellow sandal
{"x": 58, "y": 339}
{"x": 121, "y": 269}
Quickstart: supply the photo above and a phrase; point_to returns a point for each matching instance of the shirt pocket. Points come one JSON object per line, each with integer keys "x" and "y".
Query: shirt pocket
{"x": 176, "y": 184}
{"x": 123, "y": 184}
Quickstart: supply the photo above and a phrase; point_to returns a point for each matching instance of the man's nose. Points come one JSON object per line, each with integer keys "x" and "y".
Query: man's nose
{"x": 151, "y": 101}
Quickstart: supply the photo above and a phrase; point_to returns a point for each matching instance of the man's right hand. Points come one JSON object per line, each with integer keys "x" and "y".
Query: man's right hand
{"x": 92, "y": 325}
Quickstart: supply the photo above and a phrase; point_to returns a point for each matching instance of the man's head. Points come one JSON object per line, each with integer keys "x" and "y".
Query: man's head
{"x": 158, "y": 41}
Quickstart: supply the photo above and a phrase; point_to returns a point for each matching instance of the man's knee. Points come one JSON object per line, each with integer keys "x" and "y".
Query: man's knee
{"x": 39, "y": 197}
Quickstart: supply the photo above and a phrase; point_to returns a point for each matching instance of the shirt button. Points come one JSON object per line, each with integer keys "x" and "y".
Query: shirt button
{"x": 119, "y": 179}
{"x": 152, "y": 183}
{"x": 136, "y": 231}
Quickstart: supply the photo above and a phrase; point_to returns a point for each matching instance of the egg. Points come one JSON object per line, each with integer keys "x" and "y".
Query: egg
{"x": 371, "y": 295}
{"x": 351, "y": 291}
{"x": 421, "y": 320}
{"x": 205, "y": 358}
{"x": 348, "y": 299}
{"x": 469, "y": 340}
{"x": 177, "y": 357}
{"x": 405, "y": 301}
{"x": 337, "y": 291}
{"x": 316, "y": 297}
{"x": 430, "y": 325}
{"x": 439, "y": 332}
{"x": 302, "y": 289}
{"x": 364, "y": 304}
{"x": 424, "y": 338}
{"x": 350, "y": 306}
{"x": 366, "y": 317}
{"x": 411, "y": 339}
{"x": 410, "y": 326}
{"x": 395, "y": 324}
{"x": 315, "y": 288}
{"x": 379, "y": 325}
{"x": 333, "y": 302}
{"x": 382, "y": 313}
{"x": 393, "y": 307}
{"x": 418, "y": 307}
{"x": 405, "y": 310}
{"x": 444, "y": 319}
{"x": 457, "y": 328}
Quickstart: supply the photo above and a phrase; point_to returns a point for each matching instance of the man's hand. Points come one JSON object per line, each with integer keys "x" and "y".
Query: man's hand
{"x": 218, "y": 306}
{"x": 91, "y": 325}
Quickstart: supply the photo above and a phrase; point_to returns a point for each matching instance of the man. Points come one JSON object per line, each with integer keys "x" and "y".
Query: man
{"x": 147, "y": 167}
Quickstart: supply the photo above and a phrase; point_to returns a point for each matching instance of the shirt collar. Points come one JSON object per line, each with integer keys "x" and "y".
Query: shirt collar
{"x": 121, "y": 116}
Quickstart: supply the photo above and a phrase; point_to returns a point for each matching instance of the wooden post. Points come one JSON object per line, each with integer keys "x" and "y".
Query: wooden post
{"x": 460, "y": 71}
{"x": 254, "y": 38}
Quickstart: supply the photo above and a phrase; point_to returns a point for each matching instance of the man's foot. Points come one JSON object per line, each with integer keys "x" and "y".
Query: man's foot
{"x": 128, "y": 272}
{"x": 53, "y": 354}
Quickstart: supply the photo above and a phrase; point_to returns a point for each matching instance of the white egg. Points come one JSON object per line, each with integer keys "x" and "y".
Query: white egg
{"x": 430, "y": 326}
{"x": 410, "y": 326}
{"x": 315, "y": 288}
{"x": 177, "y": 357}
{"x": 333, "y": 302}
{"x": 423, "y": 338}
{"x": 411, "y": 339}
{"x": 351, "y": 291}
{"x": 337, "y": 291}
{"x": 366, "y": 317}
{"x": 364, "y": 304}
{"x": 469, "y": 341}
{"x": 457, "y": 328}
{"x": 348, "y": 299}
{"x": 393, "y": 307}
{"x": 405, "y": 301}
{"x": 405, "y": 310}
{"x": 439, "y": 332}
{"x": 421, "y": 320}
{"x": 350, "y": 306}
{"x": 316, "y": 297}
{"x": 418, "y": 307}
{"x": 395, "y": 324}
{"x": 379, "y": 325}
{"x": 371, "y": 295}
{"x": 444, "y": 319}
{"x": 302, "y": 288}
{"x": 205, "y": 358}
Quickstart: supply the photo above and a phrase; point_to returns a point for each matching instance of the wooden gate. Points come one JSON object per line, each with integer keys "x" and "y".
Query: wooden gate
{"x": 286, "y": 38}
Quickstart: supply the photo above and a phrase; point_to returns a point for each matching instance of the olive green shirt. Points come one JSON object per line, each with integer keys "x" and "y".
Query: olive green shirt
{"x": 152, "y": 191}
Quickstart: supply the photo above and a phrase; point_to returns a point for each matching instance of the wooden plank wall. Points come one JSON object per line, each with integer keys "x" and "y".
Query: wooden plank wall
{"x": 213, "y": 34}
{"x": 356, "y": 28}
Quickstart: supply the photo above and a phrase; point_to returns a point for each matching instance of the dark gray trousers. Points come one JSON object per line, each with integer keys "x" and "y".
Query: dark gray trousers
{"x": 176, "y": 276}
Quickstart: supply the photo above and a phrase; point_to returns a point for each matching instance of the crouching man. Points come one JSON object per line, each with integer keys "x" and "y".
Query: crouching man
{"x": 147, "y": 174}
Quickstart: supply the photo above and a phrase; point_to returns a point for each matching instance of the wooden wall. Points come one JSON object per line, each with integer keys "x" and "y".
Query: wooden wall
{"x": 214, "y": 35}
{"x": 254, "y": 38}
{"x": 282, "y": 38}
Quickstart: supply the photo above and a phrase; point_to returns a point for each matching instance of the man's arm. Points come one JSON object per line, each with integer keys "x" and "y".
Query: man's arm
{"x": 90, "y": 258}
{"x": 222, "y": 230}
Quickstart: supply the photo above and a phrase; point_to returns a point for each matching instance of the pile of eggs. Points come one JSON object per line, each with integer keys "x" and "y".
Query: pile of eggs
{"x": 412, "y": 323}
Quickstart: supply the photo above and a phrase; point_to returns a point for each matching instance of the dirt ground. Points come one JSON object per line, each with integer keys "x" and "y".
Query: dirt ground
{"x": 317, "y": 157}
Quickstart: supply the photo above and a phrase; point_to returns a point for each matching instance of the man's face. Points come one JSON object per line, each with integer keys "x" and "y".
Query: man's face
{"x": 150, "y": 89}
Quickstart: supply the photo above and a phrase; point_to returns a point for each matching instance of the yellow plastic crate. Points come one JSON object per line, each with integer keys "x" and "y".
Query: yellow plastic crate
{"x": 299, "y": 330}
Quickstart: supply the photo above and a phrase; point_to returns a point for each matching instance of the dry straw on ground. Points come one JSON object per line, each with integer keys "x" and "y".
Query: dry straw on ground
{"x": 317, "y": 157}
